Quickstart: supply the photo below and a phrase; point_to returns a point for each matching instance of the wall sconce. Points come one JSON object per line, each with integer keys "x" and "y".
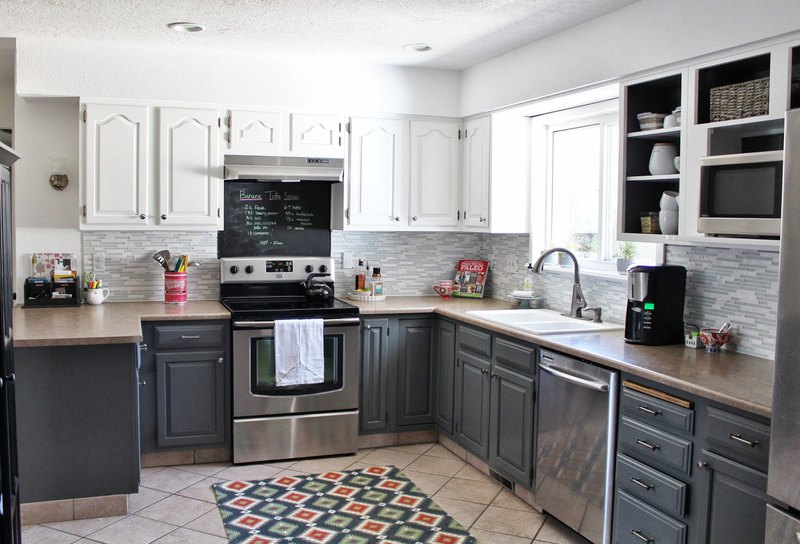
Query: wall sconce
{"x": 58, "y": 180}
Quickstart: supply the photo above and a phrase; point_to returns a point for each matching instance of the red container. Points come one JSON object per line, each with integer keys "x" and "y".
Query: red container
{"x": 175, "y": 287}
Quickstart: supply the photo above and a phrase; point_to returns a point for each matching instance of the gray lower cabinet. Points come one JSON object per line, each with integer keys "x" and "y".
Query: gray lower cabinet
{"x": 77, "y": 421}
{"x": 511, "y": 426}
{"x": 185, "y": 385}
{"x": 472, "y": 403}
{"x": 373, "y": 406}
{"x": 397, "y": 356}
{"x": 444, "y": 374}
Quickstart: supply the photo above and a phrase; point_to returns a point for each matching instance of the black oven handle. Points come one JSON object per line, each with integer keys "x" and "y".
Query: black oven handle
{"x": 271, "y": 324}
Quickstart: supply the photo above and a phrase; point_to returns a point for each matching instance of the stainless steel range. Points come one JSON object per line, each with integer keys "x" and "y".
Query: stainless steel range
{"x": 272, "y": 421}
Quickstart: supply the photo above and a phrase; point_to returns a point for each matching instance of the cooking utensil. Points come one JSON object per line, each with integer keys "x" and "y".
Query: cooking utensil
{"x": 162, "y": 257}
{"x": 725, "y": 327}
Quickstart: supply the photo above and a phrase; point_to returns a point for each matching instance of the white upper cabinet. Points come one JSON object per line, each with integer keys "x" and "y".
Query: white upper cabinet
{"x": 475, "y": 174}
{"x": 190, "y": 167}
{"x": 434, "y": 186}
{"x": 115, "y": 171}
{"x": 378, "y": 173}
{"x": 316, "y": 135}
{"x": 256, "y": 132}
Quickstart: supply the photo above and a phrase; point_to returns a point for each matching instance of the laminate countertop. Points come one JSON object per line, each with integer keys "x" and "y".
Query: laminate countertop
{"x": 107, "y": 323}
{"x": 731, "y": 378}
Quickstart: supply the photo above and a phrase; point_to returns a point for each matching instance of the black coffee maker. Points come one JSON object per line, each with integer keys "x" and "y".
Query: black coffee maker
{"x": 655, "y": 305}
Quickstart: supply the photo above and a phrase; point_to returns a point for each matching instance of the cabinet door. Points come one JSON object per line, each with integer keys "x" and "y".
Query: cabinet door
{"x": 475, "y": 174}
{"x": 434, "y": 174}
{"x": 414, "y": 356}
{"x": 115, "y": 165}
{"x": 190, "y": 398}
{"x": 378, "y": 173}
{"x": 315, "y": 135}
{"x": 472, "y": 404}
{"x": 255, "y": 133}
{"x": 190, "y": 168}
{"x": 444, "y": 367}
{"x": 511, "y": 440}
{"x": 734, "y": 501}
{"x": 373, "y": 408}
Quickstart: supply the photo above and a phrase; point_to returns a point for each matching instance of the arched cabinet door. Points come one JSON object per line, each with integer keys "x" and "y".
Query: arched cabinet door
{"x": 434, "y": 173}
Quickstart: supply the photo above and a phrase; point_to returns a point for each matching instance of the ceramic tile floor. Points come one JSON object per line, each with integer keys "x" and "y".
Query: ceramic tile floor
{"x": 176, "y": 504}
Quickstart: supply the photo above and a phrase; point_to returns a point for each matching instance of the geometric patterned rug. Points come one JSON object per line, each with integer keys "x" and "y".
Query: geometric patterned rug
{"x": 374, "y": 504}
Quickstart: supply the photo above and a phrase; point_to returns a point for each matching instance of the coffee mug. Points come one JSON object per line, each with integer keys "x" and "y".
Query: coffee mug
{"x": 97, "y": 296}
{"x": 444, "y": 288}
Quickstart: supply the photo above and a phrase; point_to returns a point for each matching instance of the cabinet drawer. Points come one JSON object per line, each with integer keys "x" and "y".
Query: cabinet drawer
{"x": 650, "y": 485}
{"x": 636, "y": 523}
{"x": 738, "y": 437}
{"x": 475, "y": 340}
{"x": 652, "y": 444}
{"x": 516, "y": 356}
{"x": 182, "y": 336}
{"x": 656, "y": 412}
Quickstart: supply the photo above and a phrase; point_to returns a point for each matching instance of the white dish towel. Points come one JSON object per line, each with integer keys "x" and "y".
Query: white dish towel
{"x": 299, "y": 352}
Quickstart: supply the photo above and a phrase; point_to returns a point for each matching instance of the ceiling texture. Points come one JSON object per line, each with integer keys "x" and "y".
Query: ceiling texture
{"x": 462, "y": 33}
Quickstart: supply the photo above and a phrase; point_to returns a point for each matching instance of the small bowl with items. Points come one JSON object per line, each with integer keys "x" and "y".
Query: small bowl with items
{"x": 650, "y": 121}
{"x": 713, "y": 339}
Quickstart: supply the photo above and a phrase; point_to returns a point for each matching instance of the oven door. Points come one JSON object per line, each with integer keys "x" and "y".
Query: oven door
{"x": 255, "y": 392}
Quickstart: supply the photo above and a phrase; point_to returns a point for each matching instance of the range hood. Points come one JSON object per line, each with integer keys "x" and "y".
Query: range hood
{"x": 284, "y": 168}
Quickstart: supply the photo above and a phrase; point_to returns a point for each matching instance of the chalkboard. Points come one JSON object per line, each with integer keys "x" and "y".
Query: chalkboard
{"x": 276, "y": 218}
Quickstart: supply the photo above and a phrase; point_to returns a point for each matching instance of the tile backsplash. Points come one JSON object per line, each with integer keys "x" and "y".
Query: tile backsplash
{"x": 722, "y": 284}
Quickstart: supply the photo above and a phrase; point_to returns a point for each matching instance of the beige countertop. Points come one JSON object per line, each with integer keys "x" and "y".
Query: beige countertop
{"x": 734, "y": 379}
{"x": 108, "y": 323}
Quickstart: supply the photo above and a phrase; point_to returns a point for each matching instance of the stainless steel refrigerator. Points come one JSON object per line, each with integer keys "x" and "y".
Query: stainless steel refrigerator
{"x": 783, "y": 516}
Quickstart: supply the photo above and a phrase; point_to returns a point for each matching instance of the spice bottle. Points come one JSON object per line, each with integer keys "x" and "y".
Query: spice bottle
{"x": 377, "y": 282}
{"x": 361, "y": 275}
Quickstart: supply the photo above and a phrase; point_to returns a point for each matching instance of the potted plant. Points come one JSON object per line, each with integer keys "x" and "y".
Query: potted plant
{"x": 626, "y": 251}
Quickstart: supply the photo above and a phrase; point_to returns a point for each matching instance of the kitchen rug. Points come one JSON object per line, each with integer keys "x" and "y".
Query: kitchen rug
{"x": 373, "y": 504}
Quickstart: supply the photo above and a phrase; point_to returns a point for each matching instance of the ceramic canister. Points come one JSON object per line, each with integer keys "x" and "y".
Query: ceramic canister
{"x": 662, "y": 159}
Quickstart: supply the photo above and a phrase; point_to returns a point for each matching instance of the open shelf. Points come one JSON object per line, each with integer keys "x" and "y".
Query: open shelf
{"x": 669, "y": 177}
{"x": 661, "y": 134}
{"x": 735, "y": 72}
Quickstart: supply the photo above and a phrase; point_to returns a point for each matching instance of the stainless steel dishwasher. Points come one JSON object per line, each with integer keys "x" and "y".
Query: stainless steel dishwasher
{"x": 575, "y": 443}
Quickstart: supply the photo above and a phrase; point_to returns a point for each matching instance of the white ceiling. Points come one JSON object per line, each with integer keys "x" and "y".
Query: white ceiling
{"x": 462, "y": 32}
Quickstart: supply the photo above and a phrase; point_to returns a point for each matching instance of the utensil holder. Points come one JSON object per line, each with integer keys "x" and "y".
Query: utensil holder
{"x": 175, "y": 287}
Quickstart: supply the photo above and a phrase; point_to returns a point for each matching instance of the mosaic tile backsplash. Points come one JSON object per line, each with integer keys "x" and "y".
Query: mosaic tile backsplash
{"x": 722, "y": 284}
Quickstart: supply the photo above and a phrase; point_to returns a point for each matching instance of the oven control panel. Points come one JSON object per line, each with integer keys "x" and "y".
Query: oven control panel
{"x": 270, "y": 269}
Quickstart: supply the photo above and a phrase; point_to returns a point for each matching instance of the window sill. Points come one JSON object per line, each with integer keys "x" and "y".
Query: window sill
{"x": 584, "y": 272}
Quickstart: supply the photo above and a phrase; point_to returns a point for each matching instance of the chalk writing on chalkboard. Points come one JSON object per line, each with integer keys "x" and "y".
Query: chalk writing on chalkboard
{"x": 276, "y": 218}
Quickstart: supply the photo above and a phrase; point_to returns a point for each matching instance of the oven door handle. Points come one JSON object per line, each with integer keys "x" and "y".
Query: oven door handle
{"x": 271, "y": 324}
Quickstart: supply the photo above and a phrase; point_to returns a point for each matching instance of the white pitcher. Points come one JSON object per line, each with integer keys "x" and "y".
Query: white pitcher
{"x": 97, "y": 296}
{"x": 662, "y": 159}
{"x": 669, "y": 201}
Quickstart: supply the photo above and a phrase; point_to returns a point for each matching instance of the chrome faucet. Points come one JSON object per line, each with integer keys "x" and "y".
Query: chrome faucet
{"x": 578, "y": 301}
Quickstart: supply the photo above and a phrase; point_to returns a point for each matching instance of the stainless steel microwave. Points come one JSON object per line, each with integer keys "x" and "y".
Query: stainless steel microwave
{"x": 740, "y": 194}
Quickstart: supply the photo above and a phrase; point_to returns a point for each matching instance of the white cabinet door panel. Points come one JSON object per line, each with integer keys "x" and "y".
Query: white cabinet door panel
{"x": 190, "y": 167}
{"x": 378, "y": 172}
{"x": 256, "y": 133}
{"x": 314, "y": 135}
{"x": 434, "y": 173}
{"x": 115, "y": 168}
{"x": 475, "y": 181}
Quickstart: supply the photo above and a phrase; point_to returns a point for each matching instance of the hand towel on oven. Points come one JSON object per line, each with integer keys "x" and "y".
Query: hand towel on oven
{"x": 299, "y": 352}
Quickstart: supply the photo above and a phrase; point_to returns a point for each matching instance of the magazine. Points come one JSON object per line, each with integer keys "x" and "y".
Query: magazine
{"x": 470, "y": 278}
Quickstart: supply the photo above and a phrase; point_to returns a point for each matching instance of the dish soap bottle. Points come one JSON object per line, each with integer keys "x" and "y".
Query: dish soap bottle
{"x": 527, "y": 283}
{"x": 377, "y": 282}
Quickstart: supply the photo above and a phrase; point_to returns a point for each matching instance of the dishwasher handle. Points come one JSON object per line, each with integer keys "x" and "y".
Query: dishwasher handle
{"x": 565, "y": 375}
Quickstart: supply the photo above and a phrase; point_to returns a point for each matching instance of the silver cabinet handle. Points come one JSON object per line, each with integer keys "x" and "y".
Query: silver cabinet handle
{"x": 641, "y": 484}
{"x": 702, "y": 464}
{"x": 190, "y": 336}
{"x": 574, "y": 379}
{"x": 142, "y": 347}
{"x": 221, "y": 360}
{"x": 163, "y": 217}
{"x": 738, "y": 438}
{"x": 484, "y": 371}
{"x": 641, "y": 536}
{"x": 414, "y": 218}
{"x": 142, "y": 216}
{"x": 483, "y": 220}
{"x": 367, "y": 327}
{"x": 648, "y": 445}
{"x": 647, "y": 410}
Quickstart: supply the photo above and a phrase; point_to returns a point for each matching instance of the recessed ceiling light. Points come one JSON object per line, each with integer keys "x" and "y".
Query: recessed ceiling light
{"x": 417, "y": 47}
{"x": 184, "y": 26}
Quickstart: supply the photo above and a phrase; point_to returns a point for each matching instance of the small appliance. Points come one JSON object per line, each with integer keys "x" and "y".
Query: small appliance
{"x": 655, "y": 305}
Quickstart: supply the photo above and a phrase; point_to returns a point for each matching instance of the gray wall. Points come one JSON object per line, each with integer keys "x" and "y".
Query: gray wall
{"x": 723, "y": 284}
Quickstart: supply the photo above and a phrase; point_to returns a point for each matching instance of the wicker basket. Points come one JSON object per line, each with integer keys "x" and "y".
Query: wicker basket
{"x": 740, "y": 100}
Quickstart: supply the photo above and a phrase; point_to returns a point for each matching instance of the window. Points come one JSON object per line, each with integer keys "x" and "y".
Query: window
{"x": 575, "y": 158}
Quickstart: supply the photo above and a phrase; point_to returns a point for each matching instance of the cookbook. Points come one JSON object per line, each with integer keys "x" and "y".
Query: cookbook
{"x": 470, "y": 278}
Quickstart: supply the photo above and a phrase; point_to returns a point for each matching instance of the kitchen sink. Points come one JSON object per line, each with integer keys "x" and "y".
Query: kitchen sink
{"x": 542, "y": 321}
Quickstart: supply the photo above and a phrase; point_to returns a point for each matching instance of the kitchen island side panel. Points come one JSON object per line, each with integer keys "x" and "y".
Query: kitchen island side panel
{"x": 77, "y": 415}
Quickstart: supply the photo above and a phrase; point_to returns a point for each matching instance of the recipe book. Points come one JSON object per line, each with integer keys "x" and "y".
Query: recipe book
{"x": 470, "y": 278}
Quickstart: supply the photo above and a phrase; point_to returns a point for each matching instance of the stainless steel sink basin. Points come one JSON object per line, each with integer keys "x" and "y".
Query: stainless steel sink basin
{"x": 542, "y": 321}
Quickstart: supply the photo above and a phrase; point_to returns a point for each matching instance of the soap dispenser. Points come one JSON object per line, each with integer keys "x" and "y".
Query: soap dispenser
{"x": 527, "y": 283}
